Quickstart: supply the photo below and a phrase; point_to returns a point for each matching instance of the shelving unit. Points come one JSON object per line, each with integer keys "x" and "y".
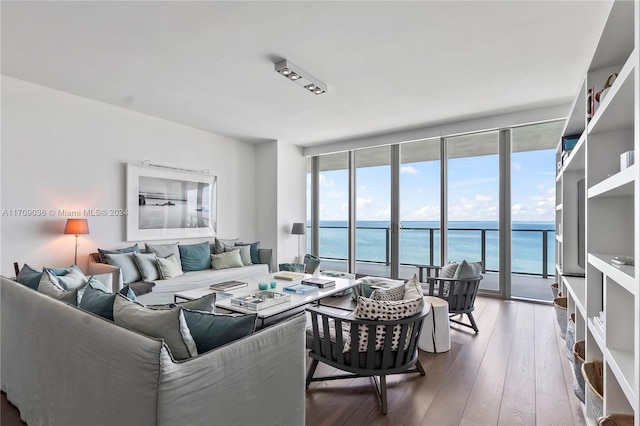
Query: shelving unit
{"x": 610, "y": 211}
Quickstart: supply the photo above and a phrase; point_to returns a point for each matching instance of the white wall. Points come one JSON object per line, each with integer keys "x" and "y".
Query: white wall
{"x": 61, "y": 151}
{"x": 281, "y": 200}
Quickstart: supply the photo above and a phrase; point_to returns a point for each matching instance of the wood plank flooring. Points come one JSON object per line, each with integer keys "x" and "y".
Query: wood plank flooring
{"x": 514, "y": 372}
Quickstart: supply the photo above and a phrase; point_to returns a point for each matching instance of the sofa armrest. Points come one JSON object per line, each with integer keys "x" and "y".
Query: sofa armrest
{"x": 96, "y": 268}
{"x": 266, "y": 257}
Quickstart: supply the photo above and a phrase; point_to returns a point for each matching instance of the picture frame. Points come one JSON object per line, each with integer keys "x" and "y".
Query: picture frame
{"x": 167, "y": 203}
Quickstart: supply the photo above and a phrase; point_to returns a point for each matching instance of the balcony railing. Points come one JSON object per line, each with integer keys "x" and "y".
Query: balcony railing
{"x": 531, "y": 251}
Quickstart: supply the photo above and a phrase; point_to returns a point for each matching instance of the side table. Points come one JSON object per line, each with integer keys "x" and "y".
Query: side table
{"x": 435, "y": 336}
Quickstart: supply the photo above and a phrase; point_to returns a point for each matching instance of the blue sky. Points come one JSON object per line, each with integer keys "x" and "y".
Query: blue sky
{"x": 473, "y": 190}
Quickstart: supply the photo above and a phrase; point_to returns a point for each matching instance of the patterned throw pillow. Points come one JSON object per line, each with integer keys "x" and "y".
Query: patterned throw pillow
{"x": 448, "y": 270}
{"x": 393, "y": 293}
{"x": 381, "y": 310}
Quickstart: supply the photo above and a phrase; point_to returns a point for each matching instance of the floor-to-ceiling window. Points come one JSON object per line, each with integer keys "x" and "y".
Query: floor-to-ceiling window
{"x": 473, "y": 175}
{"x": 333, "y": 206}
{"x": 384, "y": 209}
{"x": 533, "y": 209}
{"x": 419, "y": 204}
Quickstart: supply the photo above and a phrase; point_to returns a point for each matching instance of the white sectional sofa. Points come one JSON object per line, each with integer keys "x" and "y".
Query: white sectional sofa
{"x": 64, "y": 366}
{"x": 164, "y": 289}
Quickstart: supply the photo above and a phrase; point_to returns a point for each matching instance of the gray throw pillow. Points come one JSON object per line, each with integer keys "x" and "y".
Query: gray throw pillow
{"x": 169, "y": 267}
{"x": 147, "y": 265}
{"x": 226, "y": 260}
{"x": 468, "y": 270}
{"x": 448, "y": 270}
{"x": 127, "y": 265}
{"x": 205, "y": 303}
{"x": 166, "y": 324}
{"x": 49, "y": 285}
{"x": 102, "y": 252}
{"x": 71, "y": 280}
{"x": 164, "y": 251}
{"x": 214, "y": 330}
{"x": 245, "y": 253}
{"x": 254, "y": 250}
{"x": 222, "y": 243}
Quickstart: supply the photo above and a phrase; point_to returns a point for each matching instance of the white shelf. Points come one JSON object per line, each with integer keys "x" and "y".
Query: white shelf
{"x": 620, "y": 184}
{"x": 597, "y": 336}
{"x": 622, "y": 274}
{"x": 623, "y": 366}
{"x": 576, "y": 288}
{"x": 575, "y": 161}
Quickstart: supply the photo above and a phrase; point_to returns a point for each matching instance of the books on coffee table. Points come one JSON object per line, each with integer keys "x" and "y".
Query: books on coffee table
{"x": 319, "y": 282}
{"x": 227, "y": 285}
{"x": 289, "y": 276}
{"x": 300, "y": 288}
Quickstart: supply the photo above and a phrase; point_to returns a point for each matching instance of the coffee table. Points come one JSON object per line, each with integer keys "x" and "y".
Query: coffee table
{"x": 297, "y": 300}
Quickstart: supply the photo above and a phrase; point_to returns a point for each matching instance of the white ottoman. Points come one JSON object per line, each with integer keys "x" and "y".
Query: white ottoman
{"x": 434, "y": 336}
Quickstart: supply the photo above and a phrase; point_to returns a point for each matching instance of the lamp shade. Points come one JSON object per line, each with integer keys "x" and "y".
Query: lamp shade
{"x": 298, "y": 229}
{"x": 76, "y": 226}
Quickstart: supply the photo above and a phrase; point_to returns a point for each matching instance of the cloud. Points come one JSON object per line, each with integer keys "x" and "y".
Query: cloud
{"x": 481, "y": 207}
{"x": 483, "y": 198}
{"x": 428, "y": 212}
{"x": 409, "y": 170}
{"x": 516, "y": 166}
{"x": 335, "y": 194}
{"x": 363, "y": 202}
{"x": 324, "y": 181}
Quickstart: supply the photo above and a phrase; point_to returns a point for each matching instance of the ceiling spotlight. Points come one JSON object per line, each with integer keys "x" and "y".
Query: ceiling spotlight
{"x": 301, "y": 77}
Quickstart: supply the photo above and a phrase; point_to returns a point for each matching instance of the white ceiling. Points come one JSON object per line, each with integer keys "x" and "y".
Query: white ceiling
{"x": 389, "y": 66}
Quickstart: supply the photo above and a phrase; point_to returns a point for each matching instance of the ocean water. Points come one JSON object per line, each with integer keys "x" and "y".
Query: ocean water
{"x": 465, "y": 242}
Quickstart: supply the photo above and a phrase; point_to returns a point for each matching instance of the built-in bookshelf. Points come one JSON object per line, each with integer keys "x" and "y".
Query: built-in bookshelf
{"x": 605, "y": 217}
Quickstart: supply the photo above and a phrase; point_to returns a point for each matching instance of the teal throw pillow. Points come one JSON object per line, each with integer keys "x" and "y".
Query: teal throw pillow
{"x": 133, "y": 249}
{"x": 195, "y": 257}
{"x": 254, "y": 251}
{"x": 59, "y": 272}
{"x": 100, "y": 302}
{"x": 214, "y": 330}
{"x": 29, "y": 277}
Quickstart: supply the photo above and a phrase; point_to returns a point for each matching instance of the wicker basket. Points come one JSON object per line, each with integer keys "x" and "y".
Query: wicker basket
{"x": 592, "y": 372}
{"x": 554, "y": 290}
{"x": 570, "y": 336}
{"x": 560, "y": 303}
{"x": 578, "y": 360}
{"x": 616, "y": 420}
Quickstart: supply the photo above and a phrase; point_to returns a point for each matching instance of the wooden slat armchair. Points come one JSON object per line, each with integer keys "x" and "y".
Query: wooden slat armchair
{"x": 370, "y": 363}
{"x": 460, "y": 293}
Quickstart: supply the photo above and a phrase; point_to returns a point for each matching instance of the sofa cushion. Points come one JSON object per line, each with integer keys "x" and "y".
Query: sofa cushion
{"x": 29, "y": 277}
{"x": 169, "y": 267}
{"x": 254, "y": 251}
{"x": 164, "y": 251}
{"x": 245, "y": 254}
{"x": 133, "y": 249}
{"x": 213, "y": 330}
{"x": 50, "y": 286}
{"x": 166, "y": 324}
{"x": 147, "y": 265}
{"x": 226, "y": 260}
{"x": 127, "y": 264}
{"x": 195, "y": 257}
{"x": 205, "y": 303}
{"x": 220, "y": 244}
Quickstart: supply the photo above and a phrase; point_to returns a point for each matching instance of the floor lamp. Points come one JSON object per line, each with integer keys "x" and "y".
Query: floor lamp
{"x": 298, "y": 229}
{"x": 76, "y": 227}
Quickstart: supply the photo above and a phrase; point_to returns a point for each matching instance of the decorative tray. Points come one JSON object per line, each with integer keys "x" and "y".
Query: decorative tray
{"x": 260, "y": 300}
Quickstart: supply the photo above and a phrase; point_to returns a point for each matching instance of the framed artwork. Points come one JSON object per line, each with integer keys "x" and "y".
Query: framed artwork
{"x": 165, "y": 203}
